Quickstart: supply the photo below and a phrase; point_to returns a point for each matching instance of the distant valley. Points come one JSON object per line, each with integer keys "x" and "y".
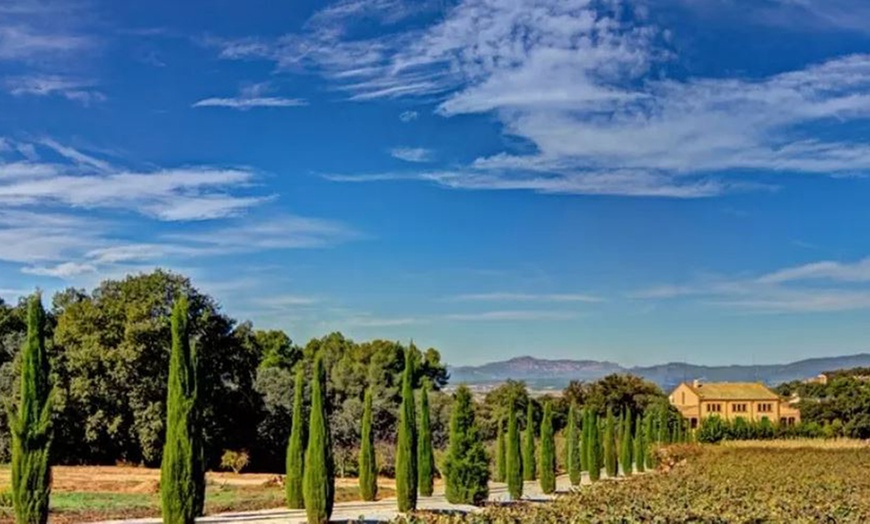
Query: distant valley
{"x": 555, "y": 374}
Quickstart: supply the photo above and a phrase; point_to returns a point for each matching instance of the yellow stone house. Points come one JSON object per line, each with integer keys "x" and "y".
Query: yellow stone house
{"x": 752, "y": 401}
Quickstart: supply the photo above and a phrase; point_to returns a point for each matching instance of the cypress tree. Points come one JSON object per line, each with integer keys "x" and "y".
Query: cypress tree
{"x": 627, "y": 443}
{"x": 610, "y": 462}
{"x": 574, "y": 463}
{"x": 318, "y": 484}
{"x": 180, "y": 470}
{"x": 406, "y": 452}
{"x": 31, "y": 426}
{"x": 425, "y": 458}
{"x": 594, "y": 446}
{"x": 639, "y": 459}
{"x": 529, "y": 465}
{"x": 548, "y": 452}
{"x": 295, "y": 467}
{"x": 514, "y": 462}
{"x": 584, "y": 441}
{"x": 648, "y": 456}
{"x": 368, "y": 467}
{"x": 467, "y": 464}
{"x": 500, "y": 459}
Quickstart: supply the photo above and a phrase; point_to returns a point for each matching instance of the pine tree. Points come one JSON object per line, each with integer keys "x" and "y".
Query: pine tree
{"x": 319, "y": 478}
{"x": 295, "y": 467}
{"x": 180, "y": 472}
{"x": 548, "y": 451}
{"x": 500, "y": 459}
{"x": 31, "y": 426}
{"x": 406, "y": 452}
{"x": 514, "y": 460}
{"x": 627, "y": 444}
{"x": 648, "y": 455}
{"x": 425, "y": 458}
{"x": 574, "y": 463}
{"x": 639, "y": 448}
{"x": 529, "y": 465}
{"x": 595, "y": 458}
{"x": 610, "y": 462}
{"x": 466, "y": 465}
{"x": 368, "y": 467}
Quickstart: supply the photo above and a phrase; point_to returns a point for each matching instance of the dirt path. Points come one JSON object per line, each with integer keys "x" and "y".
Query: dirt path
{"x": 380, "y": 511}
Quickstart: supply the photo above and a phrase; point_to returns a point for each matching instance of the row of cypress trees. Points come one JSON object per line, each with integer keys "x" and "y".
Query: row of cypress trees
{"x": 515, "y": 463}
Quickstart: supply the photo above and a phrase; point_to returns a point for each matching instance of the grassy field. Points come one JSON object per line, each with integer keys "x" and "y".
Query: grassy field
{"x": 746, "y": 483}
{"x": 87, "y": 494}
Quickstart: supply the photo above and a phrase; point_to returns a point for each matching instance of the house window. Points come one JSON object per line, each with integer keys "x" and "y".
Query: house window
{"x": 738, "y": 408}
{"x": 714, "y": 408}
{"x": 765, "y": 408}
{"x": 694, "y": 423}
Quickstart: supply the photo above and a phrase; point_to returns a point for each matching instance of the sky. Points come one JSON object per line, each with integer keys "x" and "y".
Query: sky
{"x": 639, "y": 181}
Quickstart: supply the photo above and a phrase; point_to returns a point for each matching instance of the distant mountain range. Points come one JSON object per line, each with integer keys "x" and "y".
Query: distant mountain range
{"x": 542, "y": 373}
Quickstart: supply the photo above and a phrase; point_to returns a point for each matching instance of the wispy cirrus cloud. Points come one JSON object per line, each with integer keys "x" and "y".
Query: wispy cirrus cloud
{"x": 527, "y": 297}
{"x": 251, "y": 97}
{"x": 413, "y": 154}
{"x": 78, "y": 90}
{"x": 582, "y": 85}
{"x": 812, "y": 288}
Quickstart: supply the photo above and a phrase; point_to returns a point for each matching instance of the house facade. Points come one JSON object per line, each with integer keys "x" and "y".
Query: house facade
{"x": 731, "y": 400}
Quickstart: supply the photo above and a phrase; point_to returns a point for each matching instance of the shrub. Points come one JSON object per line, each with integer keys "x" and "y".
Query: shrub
{"x": 712, "y": 430}
{"x": 466, "y": 465}
{"x": 235, "y": 461}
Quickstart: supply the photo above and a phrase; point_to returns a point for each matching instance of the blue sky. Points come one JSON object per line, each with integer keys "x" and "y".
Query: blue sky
{"x": 633, "y": 180}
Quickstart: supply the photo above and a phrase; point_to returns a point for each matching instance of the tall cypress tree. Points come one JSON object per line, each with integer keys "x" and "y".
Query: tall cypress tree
{"x": 584, "y": 441}
{"x": 466, "y": 466}
{"x": 295, "y": 467}
{"x": 639, "y": 459}
{"x": 368, "y": 467}
{"x": 610, "y": 462}
{"x": 406, "y": 452}
{"x": 318, "y": 482}
{"x": 574, "y": 463}
{"x": 31, "y": 426}
{"x": 548, "y": 451}
{"x": 425, "y": 458}
{"x": 514, "y": 460}
{"x": 648, "y": 437}
{"x": 529, "y": 462}
{"x": 627, "y": 444}
{"x": 500, "y": 458}
{"x": 595, "y": 459}
{"x": 180, "y": 473}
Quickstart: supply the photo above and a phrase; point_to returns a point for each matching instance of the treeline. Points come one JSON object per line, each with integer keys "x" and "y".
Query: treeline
{"x": 839, "y": 408}
{"x": 109, "y": 356}
{"x": 716, "y": 429}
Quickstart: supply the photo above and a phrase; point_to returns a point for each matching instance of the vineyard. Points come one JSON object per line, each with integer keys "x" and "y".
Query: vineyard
{"x": 750, "y": 483}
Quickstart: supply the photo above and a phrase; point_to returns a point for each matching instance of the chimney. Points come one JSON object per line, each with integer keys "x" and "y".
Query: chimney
{"x": 696, "y": 383}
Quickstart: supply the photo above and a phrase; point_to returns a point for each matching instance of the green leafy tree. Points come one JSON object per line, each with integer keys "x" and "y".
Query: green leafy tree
{"x": 574, "y": 452}
{"x": 514, "y": 460}
{"x": 500, "y": 458}
{"x": 31, "y": 427}
{"x": 467, "y": 464}
{"x": 319, "y": 477}
{"x": 295, "y": 469}
{"x": 639, "y": 446}
{"x": 626, "y": 443}
{"x": 712, "y": 430}
{"x": 368, "y": 467}
{"x": 406, "y": 451}
{"x": 548, "y": 451}
{"x": 529, "y": 458}
{"x": 425, "y": 456}
{"x": 181, "y": 471}
{"x": 610, "y": 461}
{"x": 595, "y": 458}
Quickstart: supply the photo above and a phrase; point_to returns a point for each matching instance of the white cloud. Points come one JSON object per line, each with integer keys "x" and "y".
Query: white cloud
{"x": 826, "y": 270}
{"x": 408, "y": 116}
{"x": 48, "y": 85}
{"x": 281, "y": 232}
{"x": 527, "y": 297}
{"x": 64, "y": 270}
{"x": 250, "y": 97}
{"x": 412, "y": 154}
{"x": 24, "y": 43}
{"x": 584, "y": 89}
{"x": 511, "y": 315}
